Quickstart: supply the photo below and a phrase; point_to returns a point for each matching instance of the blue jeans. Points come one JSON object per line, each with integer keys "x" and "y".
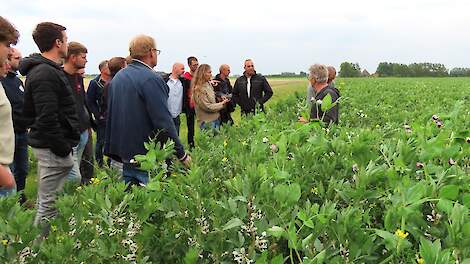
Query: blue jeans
{"x": 133, "y": 175}
{"x": 210, "y": 125}
{"x": 74, "y": 175}
{"x": 20, "y": 164}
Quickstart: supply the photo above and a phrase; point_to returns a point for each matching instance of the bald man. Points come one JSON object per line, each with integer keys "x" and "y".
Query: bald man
{"x": 224, "y": 89}
{"x": 176, "y": 93}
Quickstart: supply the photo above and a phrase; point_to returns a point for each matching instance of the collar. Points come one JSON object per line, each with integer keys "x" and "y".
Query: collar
{"x": 12, "y": 73}
{"x": 139, "y": 61}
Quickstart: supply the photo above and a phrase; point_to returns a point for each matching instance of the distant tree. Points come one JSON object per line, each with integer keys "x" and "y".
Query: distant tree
{"x": 460, "y": 72}
{"x": 349, "y": 69}
{"x": 426, "y": 69}
{"x": 303, "y": 74}
{"x": 384, "y": 69}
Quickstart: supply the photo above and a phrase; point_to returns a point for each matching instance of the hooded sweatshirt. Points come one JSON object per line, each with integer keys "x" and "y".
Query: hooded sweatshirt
{"x": 49, "y": 106}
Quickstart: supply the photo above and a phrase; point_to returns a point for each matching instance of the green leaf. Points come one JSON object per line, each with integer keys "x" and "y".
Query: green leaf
{"x": 326, "y": 103}
{"x": 445, "y": 206}
{"x": 191, "y": 256}
{"x": 415, "y": 193}
{"x": 279, "y": 259}
{"x": 234, "y": 222}
{"x": 292, "y": 236}
{"x": 306, "y": 241}
{"x": 276, "y": 231}
{"x": 449, "y": 192}
{"x": 263, "y": 259}
{"x": 466, "y": 200}
{"x": 288, "y": 194}
{"x": 466, "y": 229}
{"x": 320, "y": 257}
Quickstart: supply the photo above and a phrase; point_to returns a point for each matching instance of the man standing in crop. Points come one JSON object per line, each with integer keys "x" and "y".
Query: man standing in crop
{"x": 177, "y": 93}
{"x": 15, "y": 92}
{"x": 188, "y": 105}
{"x": 74, "y": 62}
{"x": 95, "y": 102}
{"x": 251, "y": 89}
{"x": 140, "y": 88}
{"x": 224, "y": 89}
{"x": 50, "y": 108}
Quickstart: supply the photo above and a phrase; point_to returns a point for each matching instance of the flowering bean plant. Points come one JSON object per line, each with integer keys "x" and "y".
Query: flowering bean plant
{"x": 389, "y": 184}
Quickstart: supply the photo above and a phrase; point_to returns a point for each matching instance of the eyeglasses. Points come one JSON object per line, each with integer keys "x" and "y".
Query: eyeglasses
{"x": 157, "y": 51}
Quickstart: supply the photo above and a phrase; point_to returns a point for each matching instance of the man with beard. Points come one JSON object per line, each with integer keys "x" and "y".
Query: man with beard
{"x": 50, "y": 110}
{"x": 74, "y": 62}
{"x": 251, "y": 89}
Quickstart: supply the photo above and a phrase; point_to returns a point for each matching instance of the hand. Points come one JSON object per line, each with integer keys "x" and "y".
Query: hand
{"x": 225, "y": 100}
{"x": 6, "y": 178}
{"x": 187, "y": 162}
{"x": 302, "y": 120}
{"x": 214, "y": 82}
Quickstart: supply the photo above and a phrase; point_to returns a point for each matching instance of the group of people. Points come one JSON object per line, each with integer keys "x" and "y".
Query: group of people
{"x": 127, "y": 104}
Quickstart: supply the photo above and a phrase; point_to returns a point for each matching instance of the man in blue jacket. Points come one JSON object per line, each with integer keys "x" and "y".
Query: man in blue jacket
{"x": 138, "y": 111}
{"x": 14, "y": 89}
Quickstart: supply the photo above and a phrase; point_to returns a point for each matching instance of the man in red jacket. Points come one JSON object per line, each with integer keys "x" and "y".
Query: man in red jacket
{"x": 188, "y": 106}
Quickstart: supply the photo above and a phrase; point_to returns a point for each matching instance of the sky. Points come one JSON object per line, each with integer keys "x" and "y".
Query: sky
{"x": 280, "y": 36}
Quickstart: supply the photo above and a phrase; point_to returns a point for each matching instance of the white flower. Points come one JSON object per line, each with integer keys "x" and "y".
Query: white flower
{"x": 265, "y": 140}
{"x": 319, "y": 102}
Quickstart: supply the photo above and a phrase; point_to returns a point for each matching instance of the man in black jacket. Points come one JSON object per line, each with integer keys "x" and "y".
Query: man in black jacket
{"x": 74, "y": 62}
{"x": 50, "y": 109}
{"x": 251, "y": 89}
{"x": 224, "y": 89}
{"x": 94, "y": 96}
{"x": 14, "y": 90}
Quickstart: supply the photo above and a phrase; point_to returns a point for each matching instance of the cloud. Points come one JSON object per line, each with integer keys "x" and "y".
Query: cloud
{"x": 280, "y": 36}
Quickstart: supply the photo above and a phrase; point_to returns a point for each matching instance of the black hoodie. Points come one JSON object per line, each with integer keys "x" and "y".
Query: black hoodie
{"x": 49, "y": 106}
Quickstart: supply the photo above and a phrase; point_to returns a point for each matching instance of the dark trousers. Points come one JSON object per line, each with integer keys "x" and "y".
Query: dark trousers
{"x": 225, "y": 117}
{"x": 20, "y": 164}
{"x": 100, "y": 134}
{"x": 87, "y": 168}
{"x": 190, "y": 122}
{"x": 177, "y": 122}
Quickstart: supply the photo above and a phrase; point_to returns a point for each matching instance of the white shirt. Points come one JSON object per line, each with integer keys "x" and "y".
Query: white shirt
{"x": 175, "y": 97}
{"x": 248, "y": 86}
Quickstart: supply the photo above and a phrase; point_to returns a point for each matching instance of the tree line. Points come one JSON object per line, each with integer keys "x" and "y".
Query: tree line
{"x": 390, "y": 69}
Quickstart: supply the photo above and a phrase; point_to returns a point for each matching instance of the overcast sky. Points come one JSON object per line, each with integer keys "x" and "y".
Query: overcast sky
{"x": 279, "y": 36}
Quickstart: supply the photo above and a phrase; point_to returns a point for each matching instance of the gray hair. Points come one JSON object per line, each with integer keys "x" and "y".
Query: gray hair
{"x": 319, "y": 72}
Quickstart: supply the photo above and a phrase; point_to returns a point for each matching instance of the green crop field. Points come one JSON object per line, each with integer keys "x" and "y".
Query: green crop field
{"x": 389, "y": 184}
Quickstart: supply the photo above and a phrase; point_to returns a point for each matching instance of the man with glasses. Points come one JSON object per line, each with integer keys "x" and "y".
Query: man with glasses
{"x": 251, "y": 90}
{"x": 15, "y": 92}
{"x": 139, "y": 88}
